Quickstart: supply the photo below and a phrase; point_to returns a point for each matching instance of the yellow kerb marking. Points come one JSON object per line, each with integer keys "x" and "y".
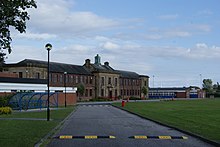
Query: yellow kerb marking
{"x": 164, "y": 137}
{"x": 91, "y": 137}
{"x": 65, "y": 137}
{"x": 112, "y": 137}
{"x": 140, "y": 137}
{"x": 184, "y": 137}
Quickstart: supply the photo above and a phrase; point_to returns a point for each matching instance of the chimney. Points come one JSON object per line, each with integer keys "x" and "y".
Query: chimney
{"x": 106, "y": 63}
{"x": 87, "y": 63}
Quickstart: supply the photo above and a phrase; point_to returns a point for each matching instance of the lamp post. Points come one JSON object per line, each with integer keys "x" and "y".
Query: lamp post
{"x": 153, "y": 81}
{"x": 200, "y": 75}
{"x": 65, "y": 73}
{"x": 48, "y": 47}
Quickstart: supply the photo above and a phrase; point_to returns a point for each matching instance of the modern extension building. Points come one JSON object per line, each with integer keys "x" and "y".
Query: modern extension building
{"x": 99, "y": 80}
{"x": 176, "y": 92}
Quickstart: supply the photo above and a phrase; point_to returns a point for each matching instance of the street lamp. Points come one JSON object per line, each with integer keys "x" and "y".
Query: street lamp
{"x": 153, "y": 81}
{"x": 65, "y": 73}
{"x": 48, "y": 47}
{"x": 200, "y": 75}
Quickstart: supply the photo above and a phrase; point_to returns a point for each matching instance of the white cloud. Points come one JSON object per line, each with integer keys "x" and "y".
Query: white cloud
{"x": 177, "y": 33}
{"x": 56, "y": 17}
{"x": 203, "y": 27}
{"x": 110, "y": 45}
{"x": 203, "y": 51}
{"x": 34, "y": 36}
{"x": 205, "y": 12}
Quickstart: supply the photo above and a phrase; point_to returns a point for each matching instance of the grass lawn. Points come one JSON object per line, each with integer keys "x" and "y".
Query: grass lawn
{"x": 201, "y": 117}
{"x": 28, "y": 132}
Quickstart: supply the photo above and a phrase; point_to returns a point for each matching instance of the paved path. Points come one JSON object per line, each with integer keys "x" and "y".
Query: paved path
{"x": 105, "y": 120}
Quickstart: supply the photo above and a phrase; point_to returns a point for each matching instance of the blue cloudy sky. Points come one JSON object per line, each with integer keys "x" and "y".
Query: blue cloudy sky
{"x": 175, "y": 41}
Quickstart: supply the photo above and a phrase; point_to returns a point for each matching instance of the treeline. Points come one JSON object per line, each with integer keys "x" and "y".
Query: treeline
{"x": 210, "y": 88}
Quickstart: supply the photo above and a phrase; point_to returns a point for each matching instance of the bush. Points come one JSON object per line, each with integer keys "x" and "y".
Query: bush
{"x": 134, "y": 98}
{"x": 99, "y": 99}
{"x": 4, "y": 100}
{"x": 5, "y": 110}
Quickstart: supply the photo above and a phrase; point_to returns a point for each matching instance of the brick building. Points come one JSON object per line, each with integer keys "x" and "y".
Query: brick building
{"x": 98, "y": 80}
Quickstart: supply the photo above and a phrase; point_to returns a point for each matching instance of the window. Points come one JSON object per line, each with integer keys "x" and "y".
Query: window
{"x": 50, "y": 75}
{"x": 77, "y": 79}
{"x": 86, "y": 92}
{"x": 55, "y": 77}
{"x": 145, "y": 83}
{"x": 102, "y": 81}
{"x": 109, "y": 80}
{"x": 81, "y": 79}
{"x": 37, "y": 76}
{"x": 120, "y": 81}
{"x": 87, "y": 79}
{"x": 102, "y": 92}
{"x": 90, "y": 92}
{"x": 71, "y": 78}
{"x": 116, "y": 93}
{"x": 90, "y": 80}
{"x": 20, "y": 74}
{"x": 61, "y": 78}
{"x": 116, "y": 81}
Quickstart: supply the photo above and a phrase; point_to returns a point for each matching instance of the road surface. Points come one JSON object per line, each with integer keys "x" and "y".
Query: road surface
{"x": 103, "y": 120}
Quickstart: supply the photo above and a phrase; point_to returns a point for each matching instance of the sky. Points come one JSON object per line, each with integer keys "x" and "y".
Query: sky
{"x": 175, "y": 42}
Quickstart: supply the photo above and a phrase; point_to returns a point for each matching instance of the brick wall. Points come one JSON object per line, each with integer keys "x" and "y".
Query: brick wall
{"x": 10, "y": 75}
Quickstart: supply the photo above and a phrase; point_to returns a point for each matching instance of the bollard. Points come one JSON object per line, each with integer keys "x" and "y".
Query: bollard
{"x": 123, "y": 103}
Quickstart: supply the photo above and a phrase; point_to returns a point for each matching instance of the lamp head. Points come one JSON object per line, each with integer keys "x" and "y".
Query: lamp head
{"x": 48, "y": 46}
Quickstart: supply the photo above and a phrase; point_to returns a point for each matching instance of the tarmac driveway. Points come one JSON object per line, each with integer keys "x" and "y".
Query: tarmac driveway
{"x": 104, "y": 125}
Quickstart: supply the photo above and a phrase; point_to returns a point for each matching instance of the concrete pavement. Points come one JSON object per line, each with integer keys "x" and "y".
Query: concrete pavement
{"x": 104, "y": 120}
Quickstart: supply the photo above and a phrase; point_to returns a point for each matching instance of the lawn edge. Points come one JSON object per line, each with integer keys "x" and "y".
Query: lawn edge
{"x": 52, "y": 132}
{"x": 178, "y": 129}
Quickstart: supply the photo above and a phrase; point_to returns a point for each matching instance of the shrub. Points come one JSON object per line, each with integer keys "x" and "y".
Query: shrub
{"x": 134, "y": 98}
{"x": 4, "y": 100}
{"x": 99, "y": 99}
{"x": 5, "y": 110}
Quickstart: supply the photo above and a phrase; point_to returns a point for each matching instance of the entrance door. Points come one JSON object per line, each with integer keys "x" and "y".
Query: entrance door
{"x": 110, "y": 94}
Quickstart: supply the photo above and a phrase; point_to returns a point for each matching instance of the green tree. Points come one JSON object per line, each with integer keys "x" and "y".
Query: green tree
{"x": 80, "y": 90}
{"x": 216, "y": 88}
{"x": 144, "y": 90}
{"x": 13, "y": 13}
{"x": 208, "y": 86}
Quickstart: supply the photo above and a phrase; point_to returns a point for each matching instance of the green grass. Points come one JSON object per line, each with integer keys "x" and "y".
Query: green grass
{"x": 201, "y": 117}
{"x": 28, "y": 132}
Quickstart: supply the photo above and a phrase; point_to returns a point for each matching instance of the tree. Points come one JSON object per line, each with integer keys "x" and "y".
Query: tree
{"x": 80, "y": 90}
{"x": 2, "y": 61}
{"x": 144, "y": 90}
{"x": 207, "y": 85}
{"x": 13, "y": 13}
{"x": 216, "y": 88}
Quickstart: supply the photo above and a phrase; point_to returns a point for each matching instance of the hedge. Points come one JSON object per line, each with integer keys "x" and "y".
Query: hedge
{"x": 5, "y": 110}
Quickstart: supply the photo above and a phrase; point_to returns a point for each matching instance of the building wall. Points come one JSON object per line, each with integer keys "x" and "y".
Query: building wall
{"x": 8, "y": 75}
{"x": 28, "y": 72}
{"x": 107, "y": 85}
{"x": 94, "y": 87}
{"x": 144, "y": 83}
{"x": 71, "y": 99}
{"x": 130, "y": 87}
{"x": 181, "y": 94}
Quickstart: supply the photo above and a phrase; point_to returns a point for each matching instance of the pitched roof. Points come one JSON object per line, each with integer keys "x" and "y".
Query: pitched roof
{"x": 128, "y": 74}
{"x": 54, "y": 66}
{"x": 104, "y": 68}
